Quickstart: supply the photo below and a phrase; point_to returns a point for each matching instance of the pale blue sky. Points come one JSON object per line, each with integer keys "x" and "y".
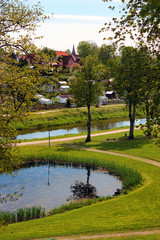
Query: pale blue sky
{"x": 74, "y": 21}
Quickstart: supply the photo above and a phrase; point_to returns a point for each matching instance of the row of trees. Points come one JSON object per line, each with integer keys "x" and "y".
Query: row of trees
{"x": 136, "y": 79}
{"x": 136, "y": 72}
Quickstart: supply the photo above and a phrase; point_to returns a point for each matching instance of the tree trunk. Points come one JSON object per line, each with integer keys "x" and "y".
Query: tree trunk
{"x": 132, "y": 120}
{"x": 88, "y": 139}
{"x": 148, "y": 121}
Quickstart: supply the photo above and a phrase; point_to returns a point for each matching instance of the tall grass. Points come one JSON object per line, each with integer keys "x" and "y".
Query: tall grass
{"x": 23, "y": 214}
{"x": 130, "y": 177}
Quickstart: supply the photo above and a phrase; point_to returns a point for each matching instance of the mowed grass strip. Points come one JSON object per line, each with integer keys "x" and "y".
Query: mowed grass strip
{"x": 139, "y": 209}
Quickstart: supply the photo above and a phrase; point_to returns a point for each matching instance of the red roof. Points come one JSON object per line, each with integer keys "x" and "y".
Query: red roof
{"x": 61, "y": 53}
{"x": 65, "y": 96}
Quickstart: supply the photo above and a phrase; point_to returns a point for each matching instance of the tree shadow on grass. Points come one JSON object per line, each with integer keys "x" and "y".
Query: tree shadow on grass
{"x": 120, "y": 144}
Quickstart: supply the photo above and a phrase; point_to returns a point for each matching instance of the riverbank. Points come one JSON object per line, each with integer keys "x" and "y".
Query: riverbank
{"x": 73, "y": 116}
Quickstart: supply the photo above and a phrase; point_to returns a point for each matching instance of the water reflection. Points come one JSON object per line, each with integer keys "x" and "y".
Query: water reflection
{"x": 83, "y": 190}
{"x": 74, "y": 129}
{"x": 49, "y": 184}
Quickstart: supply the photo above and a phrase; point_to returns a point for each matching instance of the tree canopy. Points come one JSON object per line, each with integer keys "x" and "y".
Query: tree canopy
{"x": 86, "y": 48}
{"x": 140, "y": 19}
{"x": 18, "y": 22}
{"x": 17, "y": 16}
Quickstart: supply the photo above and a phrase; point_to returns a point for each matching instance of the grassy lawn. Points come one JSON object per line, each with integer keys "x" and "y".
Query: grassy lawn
{"x": 139, "y": 209}
{"x": 141, "y": 146}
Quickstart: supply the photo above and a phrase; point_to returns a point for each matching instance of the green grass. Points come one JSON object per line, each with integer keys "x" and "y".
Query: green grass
{"x": 141, "y": 146}
{"x": 139, "y": 209}
{"x": 72, "y": 116}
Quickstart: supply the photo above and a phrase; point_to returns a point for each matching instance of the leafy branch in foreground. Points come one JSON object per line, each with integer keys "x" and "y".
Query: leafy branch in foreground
{"x": 140, "y": 19}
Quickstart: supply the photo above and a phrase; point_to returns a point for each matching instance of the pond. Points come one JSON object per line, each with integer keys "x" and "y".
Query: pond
{"x": 79, "y": 128}
{"x": 49, "y": 184}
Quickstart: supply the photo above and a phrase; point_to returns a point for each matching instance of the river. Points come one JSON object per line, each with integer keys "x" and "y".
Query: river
{"x": 74, "y": 129}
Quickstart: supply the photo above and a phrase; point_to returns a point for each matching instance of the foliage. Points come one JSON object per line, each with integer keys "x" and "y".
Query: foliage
{"x": 16, "y": 16}
{"x": 87, "y": 87}
{"x": 50, "y": 52}
{"x": 139, "y": 19}
{"x": 18, "y": 22}
{"x": 128, "y": 80}
{"x": 106, "y": 53}
{"x": 86, "y": 48}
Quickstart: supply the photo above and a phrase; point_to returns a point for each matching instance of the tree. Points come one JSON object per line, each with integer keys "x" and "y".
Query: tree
{"x": 69, "y": 52}
{"x": 87, "y": 87}
{"x": 49, "y": 52}
{"x": 151, "y": 93}
{"x": 140, "y": 19}
{"x": 106, "y": 53}
{"x": 16, "y": 16}
{"x": 128, "y": 83}
{"x": 18, "y": 81}
{"x": 86, "y": 48}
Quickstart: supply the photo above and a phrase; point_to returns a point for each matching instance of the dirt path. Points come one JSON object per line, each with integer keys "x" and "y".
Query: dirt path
{"x": 72, "y": 138}
{"x": 105, "y": 236}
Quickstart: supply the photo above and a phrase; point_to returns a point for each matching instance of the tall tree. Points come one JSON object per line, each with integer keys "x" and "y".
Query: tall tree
{"x": 87, "y": 87}
{"x": 106, "y": 53}
{"x": 18, "y": 22}
{"x": 86, "y": 48}
{"x": 128, "y": 81}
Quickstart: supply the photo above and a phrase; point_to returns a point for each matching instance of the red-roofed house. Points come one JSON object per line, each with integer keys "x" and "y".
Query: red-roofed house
{"x": 63, "y": 59}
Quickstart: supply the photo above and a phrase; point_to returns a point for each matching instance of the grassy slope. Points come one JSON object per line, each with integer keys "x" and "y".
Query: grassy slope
{"x": 73, "y": 115}
{"x": 139, "y": 209}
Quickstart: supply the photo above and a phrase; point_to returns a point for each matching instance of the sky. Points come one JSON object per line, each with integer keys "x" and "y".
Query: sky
{"x": 74, "y": 21}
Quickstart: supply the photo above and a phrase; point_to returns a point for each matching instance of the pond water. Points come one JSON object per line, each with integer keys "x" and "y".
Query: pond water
{"x": 49, "y": 185}
{"x": 74, "y": 129}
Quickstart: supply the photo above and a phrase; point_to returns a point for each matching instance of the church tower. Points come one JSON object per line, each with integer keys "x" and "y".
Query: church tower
{"x": 73, "y": 51}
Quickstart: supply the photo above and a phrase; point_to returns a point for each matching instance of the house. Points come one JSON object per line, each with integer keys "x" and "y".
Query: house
{"x": 110, "y": 94}
{"x": 64, "y": 88}
{"x": 102, "y": 100}
{"x": 46, "y": 88}
{"x": 62, "y": 98}
{"x": 62, "y": 83}
{"x": 43, "y": 100}
{"x": 28, "y": 57}
{"x": 65, "y": 60}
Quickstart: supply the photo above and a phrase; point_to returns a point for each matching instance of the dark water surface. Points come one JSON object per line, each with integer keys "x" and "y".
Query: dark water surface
{"x": 79, "y": 128}
{"x": 48, "y": 184}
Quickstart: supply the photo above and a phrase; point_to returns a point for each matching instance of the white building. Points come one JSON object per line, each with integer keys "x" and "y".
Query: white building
{"x": 62, "y": 98}
{"x": 64, "y": 88}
